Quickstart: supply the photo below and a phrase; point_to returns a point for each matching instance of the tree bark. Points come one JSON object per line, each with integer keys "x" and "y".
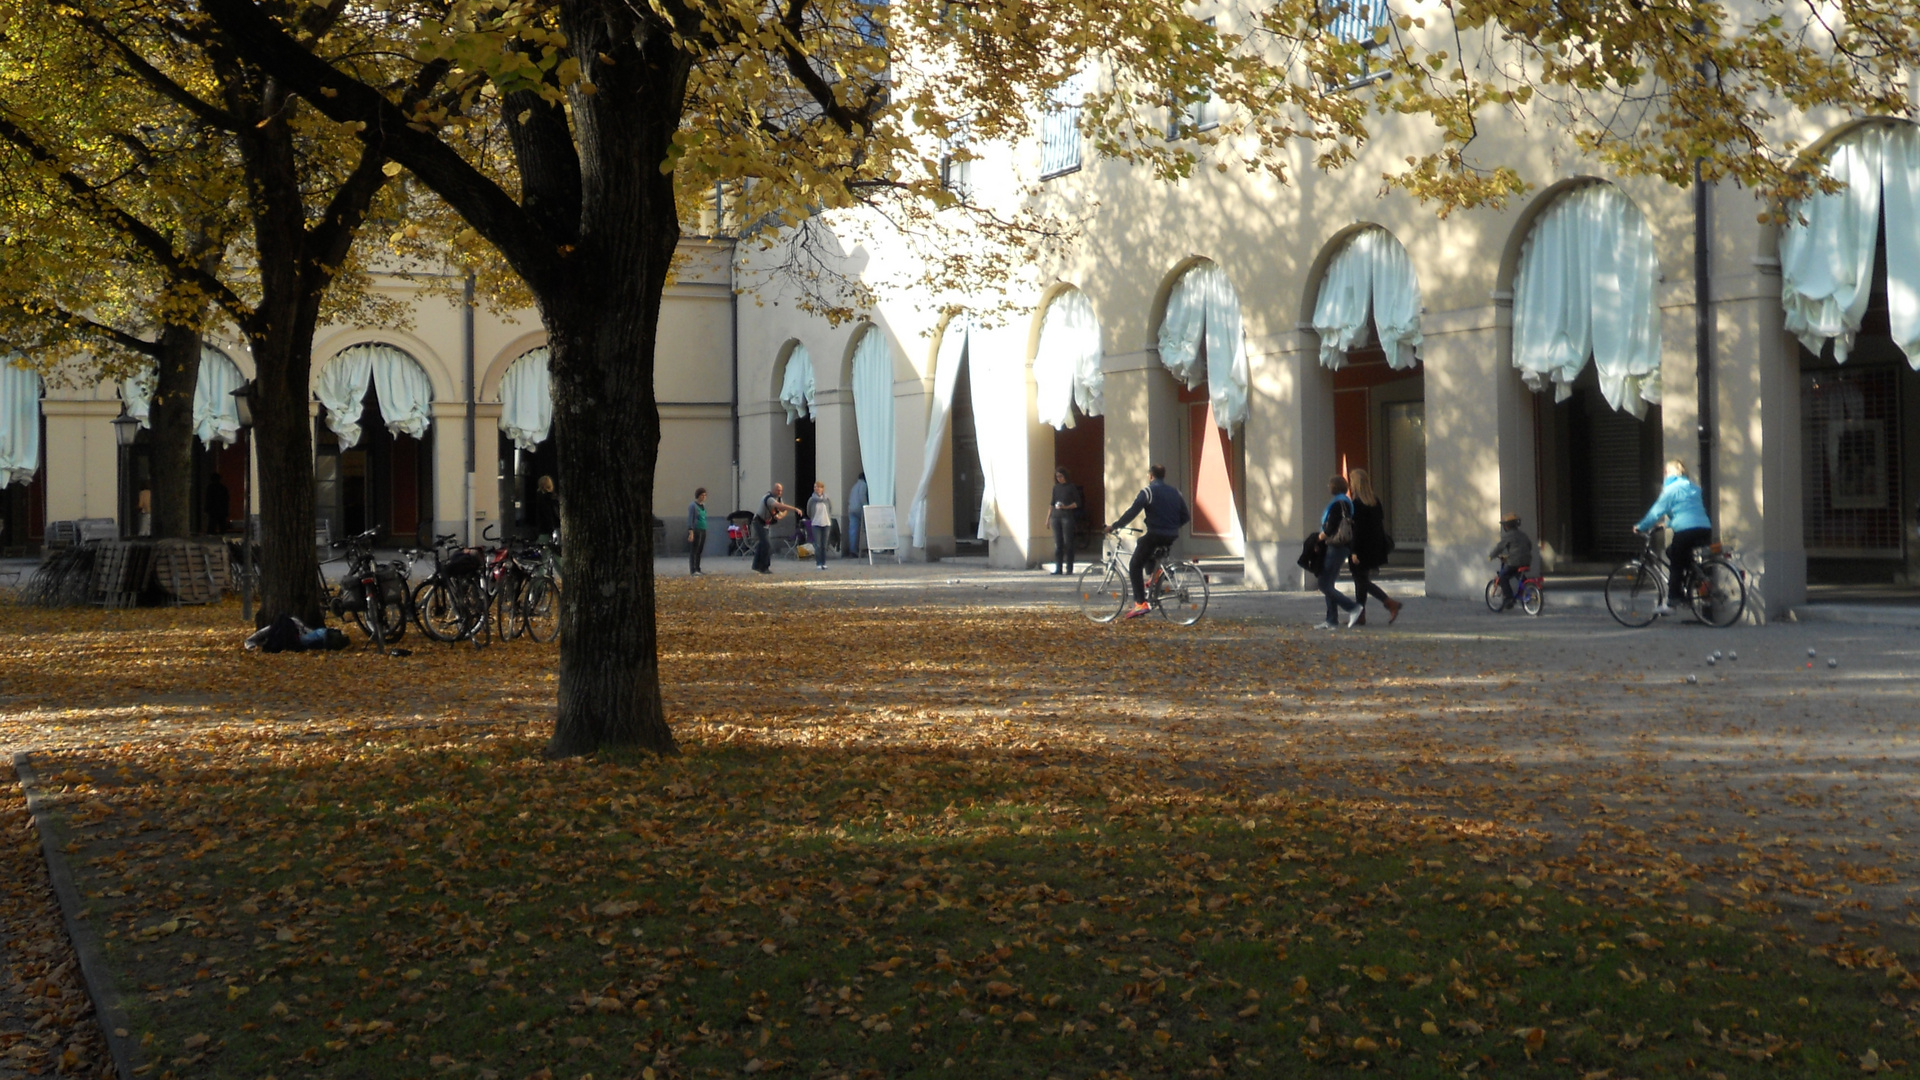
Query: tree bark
{"x": 170, "y": 417}
{"x": 283, "y": 439}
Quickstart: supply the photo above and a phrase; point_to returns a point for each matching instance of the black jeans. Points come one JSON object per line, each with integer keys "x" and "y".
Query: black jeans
{"x": 694, "y": 549}
{"x": 1150, "y": 547}
{"x": 1330, "y": 581}
{"x": 1364, "y": 587}
{"x": 762, "y": 548}
{"x": 1680, "y": 560}
{"x": 1063, "y": 543}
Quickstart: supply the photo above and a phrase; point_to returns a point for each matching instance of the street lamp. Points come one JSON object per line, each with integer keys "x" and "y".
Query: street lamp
{"x": 243, "y": 409}
{"x": 125, "y": 427}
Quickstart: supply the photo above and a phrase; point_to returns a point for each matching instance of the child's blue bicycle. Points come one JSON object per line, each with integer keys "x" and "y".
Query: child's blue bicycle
{"x": 1529, "y": 596}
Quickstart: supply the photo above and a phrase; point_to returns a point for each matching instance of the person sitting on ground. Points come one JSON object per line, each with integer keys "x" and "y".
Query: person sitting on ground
{"x": 1166, "y": 512}
{"x": 1516, "y": 549}
{"x": 1686, "y": 513}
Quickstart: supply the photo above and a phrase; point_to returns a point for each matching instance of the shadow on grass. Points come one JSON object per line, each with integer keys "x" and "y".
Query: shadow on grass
{"x": 445, "y": 901}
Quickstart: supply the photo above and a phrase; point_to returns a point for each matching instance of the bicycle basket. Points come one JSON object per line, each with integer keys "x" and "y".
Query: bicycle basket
{"x": 465, "y": 564}
{"x": 353, "y": 596}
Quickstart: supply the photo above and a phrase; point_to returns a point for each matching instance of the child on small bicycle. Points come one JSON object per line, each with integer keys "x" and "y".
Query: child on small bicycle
{"x": 1515, "y": 550}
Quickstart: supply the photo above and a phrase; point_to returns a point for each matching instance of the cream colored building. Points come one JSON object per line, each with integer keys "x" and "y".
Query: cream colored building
{"x": 432, "y": 473}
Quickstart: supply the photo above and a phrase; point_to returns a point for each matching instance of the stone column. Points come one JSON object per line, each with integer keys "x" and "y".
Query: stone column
{"x": 1479, "y": 445}
{"x": 1757, "y": 438}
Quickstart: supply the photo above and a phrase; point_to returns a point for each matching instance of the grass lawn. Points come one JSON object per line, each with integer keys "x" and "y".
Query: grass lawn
{"x": 445, "y": 902}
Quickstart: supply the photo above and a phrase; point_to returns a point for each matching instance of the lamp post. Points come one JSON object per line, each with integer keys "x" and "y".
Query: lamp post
{"x": 243, "y": 408}
{"x": 125, "y": 427}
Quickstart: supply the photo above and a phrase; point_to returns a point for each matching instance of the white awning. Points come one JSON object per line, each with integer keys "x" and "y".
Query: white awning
{"x": 400, "y": 385}
{"x": 1066, "y": 366}
{"x": 956, "y": 351}
{"x": 1826, "y": 264}
{"x": 19, "y": 423}
{"x": 1586, "y": 289}
{"x": 526, "y": 399}
{"x": 873, "y": 413}
{"x": 216, "y": 416}
{"x": 796, "y": 387}
{"x": 1369, "y": 282}
{"x": 1204, "y": 309}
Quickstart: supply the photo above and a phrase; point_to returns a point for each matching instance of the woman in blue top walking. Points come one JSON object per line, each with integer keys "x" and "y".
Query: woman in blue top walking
{"x": 1686, "y": 513}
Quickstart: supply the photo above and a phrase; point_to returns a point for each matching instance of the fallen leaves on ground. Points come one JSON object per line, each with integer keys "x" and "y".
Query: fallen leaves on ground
{"x": 901, "y": 839}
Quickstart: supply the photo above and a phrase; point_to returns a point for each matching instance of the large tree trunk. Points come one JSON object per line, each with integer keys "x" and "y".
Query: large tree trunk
{"x": 171, "y": 418}
{"x": 283, "y": 433}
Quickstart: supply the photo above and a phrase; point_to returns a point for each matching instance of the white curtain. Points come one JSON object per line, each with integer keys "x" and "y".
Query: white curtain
{"x": 526, "y": 399}
{"x": 400, "y": 385}
{"x": 137, "y": 391}
{"x": 796, "y": 387}
{"x": 216, "y": 416}
{"x": 980, "y": 383}
{"x": 873, "y": 413}
{"x": 1205, "y": 308}
{"x": 1371, "y": 275}
{"x": 1066, "y": 366}
{"x": 946, "y": 374}
{"x": 19, "y": 423}
{"x": 1585, "y": 289}
{"x": 1826, "y": 265}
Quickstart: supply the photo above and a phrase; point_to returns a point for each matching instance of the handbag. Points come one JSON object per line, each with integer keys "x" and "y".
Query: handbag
{"x": 1342, "y": 536}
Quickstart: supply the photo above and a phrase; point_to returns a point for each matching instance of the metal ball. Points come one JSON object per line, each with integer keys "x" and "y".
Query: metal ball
{"x": 1692, "y": 679}
{"x": 1810, "y": 652}
{"x": 1832, "y": 662}
{"x": 1733, "y": 656}
{"x": 1716, "y": 654}
{"x": 1711, "y": 661}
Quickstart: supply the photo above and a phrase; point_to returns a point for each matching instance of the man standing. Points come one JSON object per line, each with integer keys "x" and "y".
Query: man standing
{"x": 771, "y": 510}
{"x": 856, "y": 503}
{"x": 1166, "y": 512}
{"x": 696, "y": 531}
{"x": 217, "y": 503}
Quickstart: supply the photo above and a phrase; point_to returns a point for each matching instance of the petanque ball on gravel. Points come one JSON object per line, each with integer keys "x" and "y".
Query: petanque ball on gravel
{"x": 1711, "y": 661}
{"x": 1692, "y": 679}
{"x": 1733, "y": 656}
{"x": 1831, "y": 662}
{"x": 1716, "y": 654}
{"x": 1809, "y": 652}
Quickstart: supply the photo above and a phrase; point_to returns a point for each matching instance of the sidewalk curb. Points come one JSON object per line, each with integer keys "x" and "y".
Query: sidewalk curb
{"x": 94, "y": 973}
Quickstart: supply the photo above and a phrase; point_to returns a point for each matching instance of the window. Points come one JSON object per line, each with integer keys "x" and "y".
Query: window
{"x": 956, "y": 174}
{"x": 1060, "y": 129}
{"x": 1202, "y": 115}
{"x": 1354, "y": 22}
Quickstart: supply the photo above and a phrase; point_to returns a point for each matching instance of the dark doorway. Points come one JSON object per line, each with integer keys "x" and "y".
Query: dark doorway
{"x": 805, "y": 471}
{"x": 230, "y": 464}
{"x": 23, "y": 509}
{"x": 1379, "y": 424}
{"x": 1599, "y": 470}
{"x": 380, "y": 483}
{"x": 520, "y": 473}
{"x": 969, "y": 480}
{"x": 1082, "y": 451}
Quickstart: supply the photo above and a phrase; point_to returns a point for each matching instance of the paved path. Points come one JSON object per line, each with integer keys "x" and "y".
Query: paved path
{"x": 1794, "y": 782}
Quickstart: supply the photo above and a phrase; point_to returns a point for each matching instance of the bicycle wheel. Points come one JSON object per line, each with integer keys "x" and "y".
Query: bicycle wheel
{"x": 507, "y": 623}
{"x": 1181, "y": 595}
{"x": 540, "y": 608}
{"x": 437, "y": 612}
{"x": 1103, "y": 591}
{"x": 1719, "y": 596}
{"x": 1634, "y": 589}
{"x": 1533, "y": 600}
{"x": 1496, "y": 600}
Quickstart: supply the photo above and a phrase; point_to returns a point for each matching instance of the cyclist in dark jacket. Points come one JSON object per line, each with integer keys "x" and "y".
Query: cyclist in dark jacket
{"x": 1166, "y": 511}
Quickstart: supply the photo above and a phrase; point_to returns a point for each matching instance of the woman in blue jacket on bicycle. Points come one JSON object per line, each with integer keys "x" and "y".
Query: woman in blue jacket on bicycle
{"x": 1686, "y": 513}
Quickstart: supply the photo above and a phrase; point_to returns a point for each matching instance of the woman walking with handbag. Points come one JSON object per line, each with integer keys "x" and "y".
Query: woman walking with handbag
{"x": 1371, "y": 546}
{"x": 1336, "y": 531}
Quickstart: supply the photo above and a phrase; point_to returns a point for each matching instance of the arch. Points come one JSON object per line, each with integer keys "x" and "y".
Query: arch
{"x": 496, "y": 369}
{"x": 1066, "y": 360}
{"x": 1200, "y": 339}
{"x": 1366, "y": 284}
{"x": 1522, "y": 225}
{"x": 795, "y": 382}
{"x": 401, "y": 385}
{"x": 1157, "y": 311}
{"x": 446, "y": 387}
{"x": 216, "y": 416}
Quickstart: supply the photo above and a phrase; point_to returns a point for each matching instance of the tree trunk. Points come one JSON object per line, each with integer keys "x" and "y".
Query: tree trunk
{"x": 283, "y": 434}
{"x": 171, "y": 418}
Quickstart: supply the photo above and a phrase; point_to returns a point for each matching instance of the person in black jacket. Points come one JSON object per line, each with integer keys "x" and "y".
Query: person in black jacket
{"x": 1371, "y": 546}
{"x": 1339, "y": 543}
{"x": 546, "y": 510}
{"x": 1166, "y": 512}
{"x": 1066, "y": 505}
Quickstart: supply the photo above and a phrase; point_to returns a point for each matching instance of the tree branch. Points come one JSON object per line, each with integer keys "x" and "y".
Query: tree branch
{"x": 494, "y": 214}
{"x": 163, "y": 83}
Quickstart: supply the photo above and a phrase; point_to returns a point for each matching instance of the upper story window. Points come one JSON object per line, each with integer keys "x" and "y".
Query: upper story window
{"x": 1356, "y": 22}
{"x": 1060, "y": 128}
{"x": 1202, "y": 115}
{"x": 956, "y": 170}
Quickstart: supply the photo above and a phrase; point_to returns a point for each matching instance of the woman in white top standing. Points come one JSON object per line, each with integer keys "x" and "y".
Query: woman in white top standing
{"x": 819, "y": 522}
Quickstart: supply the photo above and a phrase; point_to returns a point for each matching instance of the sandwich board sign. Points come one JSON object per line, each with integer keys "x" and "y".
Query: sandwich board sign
{"x": 883, "y": 532}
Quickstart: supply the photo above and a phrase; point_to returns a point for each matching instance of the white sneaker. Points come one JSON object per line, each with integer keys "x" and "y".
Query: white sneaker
{"x": 1354, "y": 616}
{"x": 1663, "y": 609}
{"x": 1324, "y": 626}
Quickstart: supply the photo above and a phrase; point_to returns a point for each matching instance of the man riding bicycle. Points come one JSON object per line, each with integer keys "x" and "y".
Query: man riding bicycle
{"x": 1166, "y": 511}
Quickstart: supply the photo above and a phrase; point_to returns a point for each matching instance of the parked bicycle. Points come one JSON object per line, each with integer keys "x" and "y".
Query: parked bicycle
{"x": 1715, "y": 586}
{"x": 374, "y": 595}
{"x": 1177, "y": 589}
{"x": 1529, "y": 596}
{"x": 447, "y": 604}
